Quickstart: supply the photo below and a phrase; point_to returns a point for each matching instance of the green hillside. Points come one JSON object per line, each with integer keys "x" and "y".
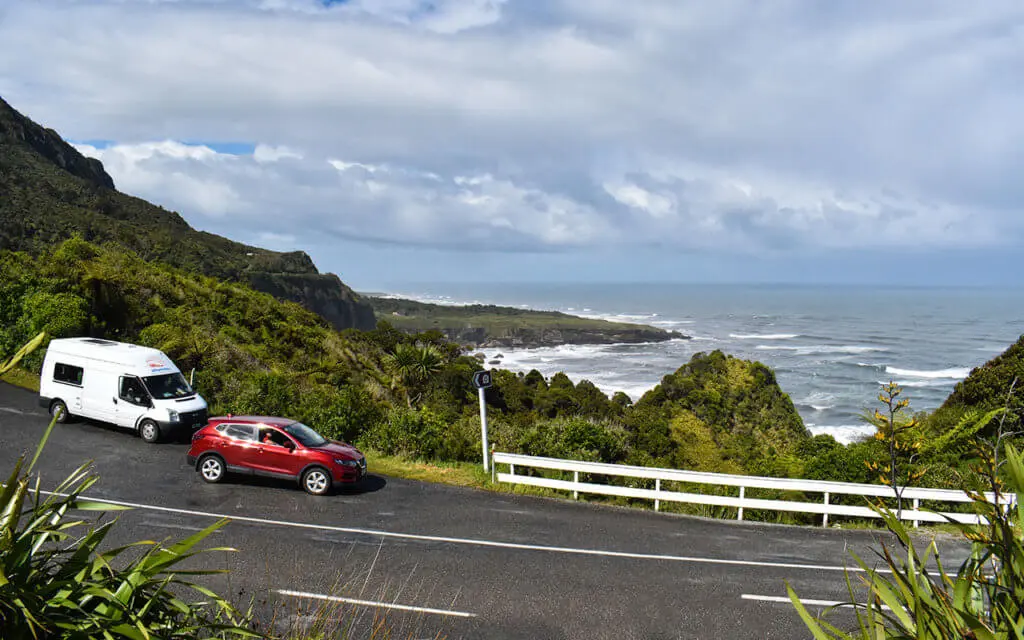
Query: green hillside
{"x": 987, "y": 387}
{"x": 51, "y": 192}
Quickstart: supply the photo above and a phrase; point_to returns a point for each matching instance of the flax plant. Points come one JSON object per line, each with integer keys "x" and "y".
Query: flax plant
{"x": 984, "y": 600}
{"x": 57, "y": 581}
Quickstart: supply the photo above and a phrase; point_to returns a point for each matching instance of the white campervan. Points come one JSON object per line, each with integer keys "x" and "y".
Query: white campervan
{"x": 123, "y": 384}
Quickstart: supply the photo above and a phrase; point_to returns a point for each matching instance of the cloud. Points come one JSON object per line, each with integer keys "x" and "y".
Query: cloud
{"x": 732, "y": 126}
{"x": 268, "y": 153}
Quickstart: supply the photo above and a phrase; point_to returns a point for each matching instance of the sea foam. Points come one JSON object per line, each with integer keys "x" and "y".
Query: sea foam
{"x": 764, "y": 336}
{"x": 955, "y": 373}
{"x": 844, "y": 433}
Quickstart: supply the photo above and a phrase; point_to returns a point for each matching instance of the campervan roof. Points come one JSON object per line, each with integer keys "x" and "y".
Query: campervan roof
{"x": 144, "y": 361}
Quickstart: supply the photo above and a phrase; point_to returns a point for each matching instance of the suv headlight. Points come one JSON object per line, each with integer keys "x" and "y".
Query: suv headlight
{"x": 347, "y": 463}
{"x": 173, "y": 415}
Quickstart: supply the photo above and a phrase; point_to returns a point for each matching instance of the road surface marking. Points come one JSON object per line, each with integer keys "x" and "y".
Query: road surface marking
{"x": 371, "y": 603}
{"x": 475, "y": 542}
{"x": 805, "y": 601}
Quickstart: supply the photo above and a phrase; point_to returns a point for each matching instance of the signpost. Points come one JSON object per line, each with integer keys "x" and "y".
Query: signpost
{"x": 482, "y": 380}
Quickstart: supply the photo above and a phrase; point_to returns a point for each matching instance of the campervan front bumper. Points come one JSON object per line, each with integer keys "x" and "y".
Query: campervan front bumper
{"x": 187, "y": 422}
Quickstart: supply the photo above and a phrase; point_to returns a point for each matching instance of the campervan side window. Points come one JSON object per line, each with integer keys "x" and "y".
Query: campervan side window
{"x": 68, "y": 374}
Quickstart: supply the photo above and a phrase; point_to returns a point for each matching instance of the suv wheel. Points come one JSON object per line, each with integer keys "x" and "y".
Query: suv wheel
{"x": 149, "y": 431}
{"x": 316, "y": 481}
{"x": 59, "y": 410}
{"x": 211, "y": 468}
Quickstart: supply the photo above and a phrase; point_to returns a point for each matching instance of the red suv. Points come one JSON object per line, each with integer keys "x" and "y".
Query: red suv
{"x": 274, "y": 447}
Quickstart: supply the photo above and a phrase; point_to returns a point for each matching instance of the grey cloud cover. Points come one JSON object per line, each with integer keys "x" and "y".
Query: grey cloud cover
{"x": 765, "y": 131}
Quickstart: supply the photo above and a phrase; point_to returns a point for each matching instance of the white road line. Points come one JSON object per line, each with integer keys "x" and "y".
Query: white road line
{"x": 805, "y": 601}
{"x": 477, "y": 542}
{"x": 371, "y": 603}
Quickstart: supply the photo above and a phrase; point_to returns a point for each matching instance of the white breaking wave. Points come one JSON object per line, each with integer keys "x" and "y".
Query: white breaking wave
{"x": 764, "y": 336}
{"x": 819, "y": 401}
{"x": 844, "y": 433}
{"x": 955, "y": 373}
{"x": 927, "y": 383}
{"x": 821, "y": 349}
{"x": 670, "y": 323}
{"x": 627, "y": 318}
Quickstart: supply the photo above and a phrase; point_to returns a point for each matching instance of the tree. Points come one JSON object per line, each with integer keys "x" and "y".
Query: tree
{"x": 902, "y": 442}
{"x": 411, "y": 366}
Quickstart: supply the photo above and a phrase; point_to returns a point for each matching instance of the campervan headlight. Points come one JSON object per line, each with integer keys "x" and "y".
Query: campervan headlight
{"x": 173, "y": 415}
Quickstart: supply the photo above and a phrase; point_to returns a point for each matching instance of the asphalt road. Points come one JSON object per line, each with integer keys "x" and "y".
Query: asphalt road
{"x": 486, "y": 565}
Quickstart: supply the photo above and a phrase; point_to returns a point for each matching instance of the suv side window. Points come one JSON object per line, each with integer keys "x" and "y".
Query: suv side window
{"x": 132, "y": 391}
{"x": 67, "y": 373}
{"x": 243, "y": 432}
{"x": 275, "y": 437}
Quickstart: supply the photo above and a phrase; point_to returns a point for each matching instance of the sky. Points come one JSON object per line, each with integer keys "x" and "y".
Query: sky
{"x": 402, "y": 141}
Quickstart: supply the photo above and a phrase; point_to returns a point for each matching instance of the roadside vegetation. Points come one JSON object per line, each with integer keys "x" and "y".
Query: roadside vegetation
{"x": 914, "y": 596}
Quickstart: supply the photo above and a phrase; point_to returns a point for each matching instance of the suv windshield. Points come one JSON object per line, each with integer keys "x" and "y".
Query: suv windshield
{"x": 305, "y": 435}
{"x": 171, "y": 385}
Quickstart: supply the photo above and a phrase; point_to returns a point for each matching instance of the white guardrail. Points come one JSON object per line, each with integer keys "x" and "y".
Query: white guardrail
{"x": 912, "y": 496}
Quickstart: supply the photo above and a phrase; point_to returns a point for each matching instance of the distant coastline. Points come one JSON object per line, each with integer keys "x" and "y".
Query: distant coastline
{"x": 482, "y": 326}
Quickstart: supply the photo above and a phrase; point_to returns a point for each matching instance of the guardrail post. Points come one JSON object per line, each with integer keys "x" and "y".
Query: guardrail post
{"x": 917, "y": 505}
{"x": 824, "y": 519}
{"x": 739, "y": 514}
{"x": 576, "y": 480}
{"x": 657, "y": 487}
{"x": 511, "y": 469}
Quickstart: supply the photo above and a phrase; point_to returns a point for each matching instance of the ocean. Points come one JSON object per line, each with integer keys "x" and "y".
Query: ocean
{"x": 831, "y": 347}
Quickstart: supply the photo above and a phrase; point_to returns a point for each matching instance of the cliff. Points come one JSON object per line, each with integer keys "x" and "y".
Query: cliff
{"x": 50, "y": 192}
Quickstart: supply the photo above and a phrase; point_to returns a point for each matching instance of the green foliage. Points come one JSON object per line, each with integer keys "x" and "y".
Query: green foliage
{"x": 825, "y": 459}
{"x": 751, "y": 420}
{"x": 985, "y": 389}
{"x": 902, "y": 440}
{"x": 424, "y": 434}
{"x": 412, "y": 366}
{"x": 571, "y": 439}
{"x": 984, "y": 599}
{"x": 57, "y": 580}
{"x": 695, "y": 447}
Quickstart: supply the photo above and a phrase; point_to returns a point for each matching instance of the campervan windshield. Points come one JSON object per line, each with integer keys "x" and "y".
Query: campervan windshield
{"x": 168, "y": 386}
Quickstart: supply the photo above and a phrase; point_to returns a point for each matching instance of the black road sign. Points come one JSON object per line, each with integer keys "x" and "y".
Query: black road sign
{"x": 482, "y": 379}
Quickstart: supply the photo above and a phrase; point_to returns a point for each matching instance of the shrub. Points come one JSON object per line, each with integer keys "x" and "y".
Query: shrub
{"x": 984, "y": 599}
{"x": 58, "y": 583}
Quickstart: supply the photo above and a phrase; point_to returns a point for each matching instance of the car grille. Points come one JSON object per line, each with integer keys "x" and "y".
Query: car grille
{"x": 194, "y": 419}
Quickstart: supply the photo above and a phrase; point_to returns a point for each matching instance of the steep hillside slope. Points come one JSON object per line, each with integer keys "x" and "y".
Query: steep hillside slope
{"x": 49, "y": 192}
{"x": 987, "y": 387}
